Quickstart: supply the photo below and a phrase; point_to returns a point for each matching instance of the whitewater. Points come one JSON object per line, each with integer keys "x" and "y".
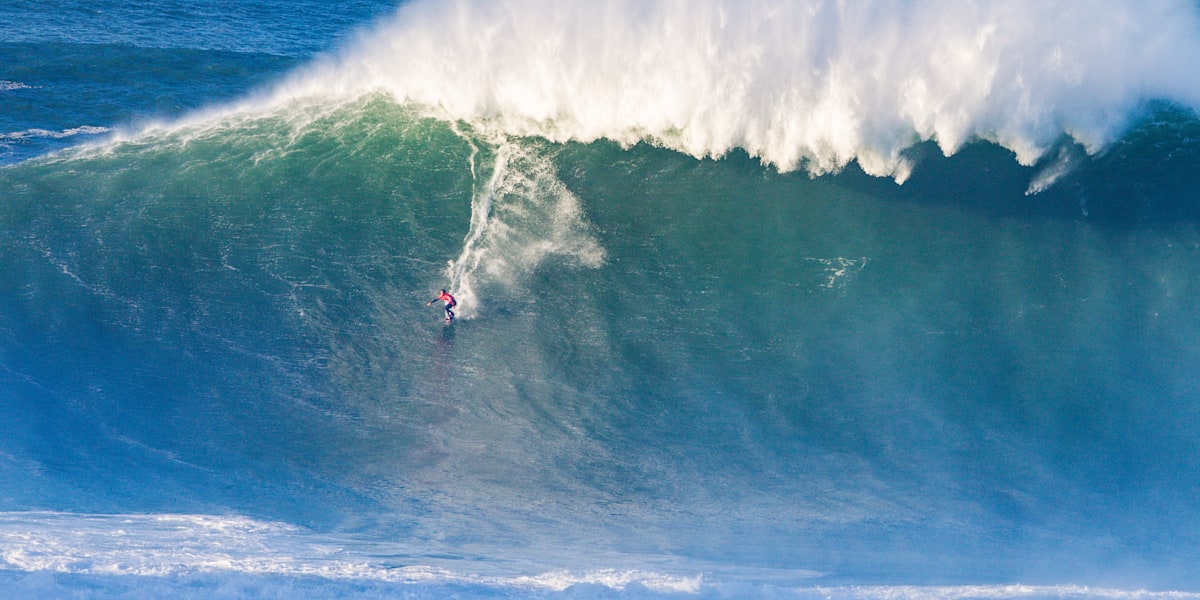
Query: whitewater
{"x": 801, "y": 299}
{"x": 799, "y": 84}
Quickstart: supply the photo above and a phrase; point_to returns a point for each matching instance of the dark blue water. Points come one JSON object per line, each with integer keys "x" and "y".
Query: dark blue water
{"x": 783, "y": 301}
{"x": 73, "y": 71}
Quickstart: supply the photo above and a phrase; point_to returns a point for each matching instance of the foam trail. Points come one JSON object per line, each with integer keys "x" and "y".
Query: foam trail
{"x": 459, "y": 271}
{"x": 523, "y": 216}
{"x": 805, "y": 84}
{"x": 1063, "y": 164}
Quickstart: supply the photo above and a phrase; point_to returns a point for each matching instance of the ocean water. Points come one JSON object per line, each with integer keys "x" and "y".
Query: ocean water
{"x": 757, "y": 299}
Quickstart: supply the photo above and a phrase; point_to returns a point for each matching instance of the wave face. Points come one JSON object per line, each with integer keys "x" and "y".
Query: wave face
{"x": 671, "y": 375}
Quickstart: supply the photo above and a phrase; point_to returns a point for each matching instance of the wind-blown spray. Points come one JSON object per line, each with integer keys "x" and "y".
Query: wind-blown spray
{"x": 808, "y": 84}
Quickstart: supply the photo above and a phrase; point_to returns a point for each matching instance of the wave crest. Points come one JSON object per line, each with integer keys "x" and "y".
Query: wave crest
{"x": 808, "y": 84}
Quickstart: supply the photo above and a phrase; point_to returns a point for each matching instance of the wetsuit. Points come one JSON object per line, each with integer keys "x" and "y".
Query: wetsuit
{"x": 450, "y": 303}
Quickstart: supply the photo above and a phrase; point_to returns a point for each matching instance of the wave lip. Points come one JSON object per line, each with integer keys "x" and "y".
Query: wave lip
{"x": 806, "y": 84}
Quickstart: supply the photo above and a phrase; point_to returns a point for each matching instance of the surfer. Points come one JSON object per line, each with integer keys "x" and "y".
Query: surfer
{"x": 450, "y": 303}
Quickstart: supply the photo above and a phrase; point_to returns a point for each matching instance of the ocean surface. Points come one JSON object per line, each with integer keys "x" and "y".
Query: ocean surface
{"x": 757, "y": 299}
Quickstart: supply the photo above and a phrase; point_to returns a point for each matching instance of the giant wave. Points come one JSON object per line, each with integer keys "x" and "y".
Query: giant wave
{"x": 674, "y": 374}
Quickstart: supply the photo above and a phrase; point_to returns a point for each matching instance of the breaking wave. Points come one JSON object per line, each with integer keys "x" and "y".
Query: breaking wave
{"x": 809, "y": 84}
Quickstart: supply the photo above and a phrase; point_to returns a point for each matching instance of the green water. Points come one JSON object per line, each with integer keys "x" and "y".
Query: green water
{"x": 657, "y": 354}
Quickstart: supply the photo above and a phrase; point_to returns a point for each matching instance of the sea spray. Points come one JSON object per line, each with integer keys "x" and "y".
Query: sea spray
{"x": 521, "y": 217}
{"x": 802, "y": 85}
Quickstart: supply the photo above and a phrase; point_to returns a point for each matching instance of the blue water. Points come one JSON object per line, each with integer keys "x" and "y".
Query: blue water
{"x": 765, "y": 299}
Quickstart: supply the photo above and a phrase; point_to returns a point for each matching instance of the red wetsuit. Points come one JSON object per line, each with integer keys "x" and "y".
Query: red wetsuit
{"x": 450, "y": 303}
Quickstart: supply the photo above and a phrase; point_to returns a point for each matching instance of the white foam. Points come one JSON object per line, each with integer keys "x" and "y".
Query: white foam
{"x": 1062, "y": 164}
{"x": 170, "y": 550}
{"x": 804, "y": 83}
{"x": 997, "y": 591}
{"x": 46, "y": 133}
{"x": 171, "y": 545}
{"x": 523, "y": 216}
{"x": 839, "y": 271}
{"x": 8, "y": 86}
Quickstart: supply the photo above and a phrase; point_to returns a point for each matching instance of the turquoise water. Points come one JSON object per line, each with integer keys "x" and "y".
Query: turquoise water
{"x": 701, "y": 351}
